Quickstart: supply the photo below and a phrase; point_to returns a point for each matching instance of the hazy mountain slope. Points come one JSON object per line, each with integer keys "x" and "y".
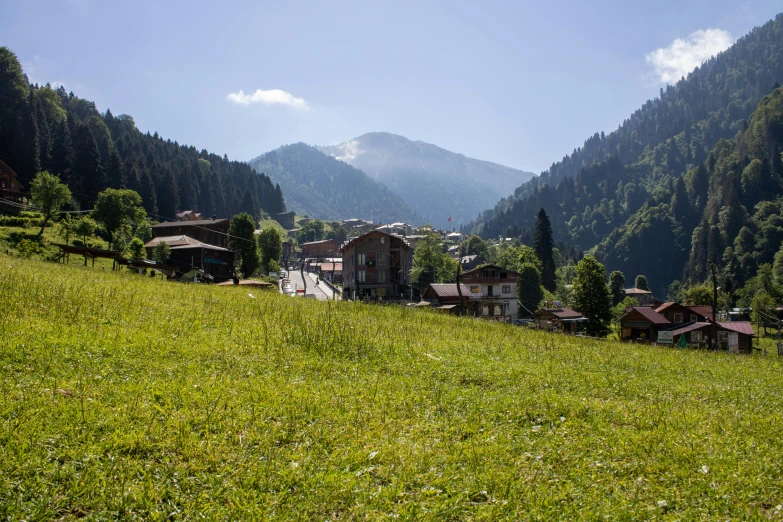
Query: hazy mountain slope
{"x": 322, "y": 187}
{"x": 435, "y": 182}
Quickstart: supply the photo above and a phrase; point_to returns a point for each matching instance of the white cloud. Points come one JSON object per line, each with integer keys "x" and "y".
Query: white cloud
{"x": 683, "y": 55}
{"x": 270, "y": 97}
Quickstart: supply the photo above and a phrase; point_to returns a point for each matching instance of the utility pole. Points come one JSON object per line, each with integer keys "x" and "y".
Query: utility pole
{"x": 459, "y": 286}
{"x": 714, "y": 327}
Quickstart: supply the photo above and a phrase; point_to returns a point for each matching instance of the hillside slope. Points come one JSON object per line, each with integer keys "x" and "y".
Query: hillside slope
{"x": 42, "y": 128}
{"x": 127, "y": 396}
{"x": 727, "y": 212}
{"x": 601, "y": 186}
{"x": 435, "y": 182}
{"x": 322, "y": 187}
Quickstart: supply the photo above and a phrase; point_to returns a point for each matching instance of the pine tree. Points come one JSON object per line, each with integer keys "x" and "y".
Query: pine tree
{"x": 543, "y": 245}
{"x": 681, "y": 208}
{"x": 115, "y": 174}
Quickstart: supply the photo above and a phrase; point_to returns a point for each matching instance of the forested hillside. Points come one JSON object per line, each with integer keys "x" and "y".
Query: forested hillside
{"x": 608, "y": 183}
{"x": 728, "y": 211}
{"x": 42, "y": 128}
{"x": 435, "y": 182}
{"x": 322, "y": 187}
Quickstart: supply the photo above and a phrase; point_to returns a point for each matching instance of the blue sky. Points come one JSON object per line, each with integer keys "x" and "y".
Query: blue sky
{"x": 518, "y": 83}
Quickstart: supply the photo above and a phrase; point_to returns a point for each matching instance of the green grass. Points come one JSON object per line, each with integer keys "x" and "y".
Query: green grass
{"x": 126, "y": 397}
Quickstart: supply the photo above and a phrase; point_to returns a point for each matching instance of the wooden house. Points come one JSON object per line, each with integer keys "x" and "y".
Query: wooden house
{"x": 642, "y": 323}
{"x": 10, "y": 187}
{"x": 209, "y": 231}
{"x": 734, "y": 336}
{"x": 188, "y": 253}
{"x": 558, "y": 319}
{"x": 678, "y": 314}
{"x": 444, "y": 296}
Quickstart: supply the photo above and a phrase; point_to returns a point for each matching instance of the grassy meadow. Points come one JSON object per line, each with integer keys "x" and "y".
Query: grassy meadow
{"x": 128, "y": 397}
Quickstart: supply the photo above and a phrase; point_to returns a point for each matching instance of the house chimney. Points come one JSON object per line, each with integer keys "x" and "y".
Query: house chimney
{"x": 213, "y": 217}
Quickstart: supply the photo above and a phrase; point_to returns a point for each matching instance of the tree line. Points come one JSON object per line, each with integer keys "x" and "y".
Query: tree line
{"x": 46, "y": 128}
{"x": 604, "y": 188}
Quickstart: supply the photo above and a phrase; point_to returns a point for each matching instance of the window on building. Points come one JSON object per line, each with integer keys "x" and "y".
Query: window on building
{"x": 677, "y": 318}
{"x": 498, "y": 310}
{"x": 381, "y": 276}
{"x": 696, "y": 337}
{"x": 506, "y": 289}
{"x": 383, "y": 240}
{"x": 503, "y": 275}
{"x": 361, "y": 259}
{"x": 380, "y": 258}
{"x": 484, "y": 309}
{"x": 361, "y": 276}
{"x": 693, "y": 318}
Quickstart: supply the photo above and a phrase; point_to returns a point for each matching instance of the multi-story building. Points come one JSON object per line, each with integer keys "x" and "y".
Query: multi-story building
{"x": 493, "y": 292}
{"x": 320, "y": 249}
{"x": 376, "y": 265}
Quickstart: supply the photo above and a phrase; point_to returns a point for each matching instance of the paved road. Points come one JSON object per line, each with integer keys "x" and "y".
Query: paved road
{"x": 322, "y": 291}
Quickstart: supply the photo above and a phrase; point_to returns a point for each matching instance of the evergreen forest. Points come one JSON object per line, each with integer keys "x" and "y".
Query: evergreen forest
{"x": 47, "y": 128}
{"x": 691, "y": 164}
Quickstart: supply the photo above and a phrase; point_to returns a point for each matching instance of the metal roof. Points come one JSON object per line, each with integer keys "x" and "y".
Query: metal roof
{"x": 648, "y": 313}
{"x": 182, "y": 242}
{"x": 195, "y": 222}
{"x": 448, "y": 289}
{"x": 743, "y": 327}
{"x": 561, "y": 313}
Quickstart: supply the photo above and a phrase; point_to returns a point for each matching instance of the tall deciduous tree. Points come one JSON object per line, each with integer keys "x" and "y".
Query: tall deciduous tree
{"x": 590, "y": 296}
{"x": 242, "y": 240}
{"x": 50, "y": 194}
{"x": 271, "y": 246}
{"x": 117, "y": 208}
{"x": 543, "y": 244}
{"x": 641, "y": 283}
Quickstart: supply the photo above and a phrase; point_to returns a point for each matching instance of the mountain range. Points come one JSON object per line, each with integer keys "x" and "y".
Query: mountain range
{"x": 322, "y": 187}
{"x": 435, "y": 182}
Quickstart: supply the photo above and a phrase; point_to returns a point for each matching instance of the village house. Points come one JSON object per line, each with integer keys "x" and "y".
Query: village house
{"x": 286, "y": 219}
{"x": 560, "y": 319}
{"x": 331, "y": 271}
{"x": 455, "y": 237}
{"x": 350, "y": 224}
{"x": 642, "y": 323}
{"x": 10, "y": 187}
{"x": 469, "y": 262}
{"x": 376, "y": 265}
{"x": 320, "y": 249}
{"x": 209, "y": 231}
{"x": 732, "y": 336}
{"x": 678, "y": 314}
{"x": 188, "y": 253}
{"x": 445, "y": 296}
{"x": 493, "y": 292}
{"x": 643, "y": 297}
{"x": 188, "y": 215}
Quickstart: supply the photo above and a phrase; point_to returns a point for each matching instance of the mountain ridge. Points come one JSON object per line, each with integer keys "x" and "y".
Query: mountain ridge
{"x": 434, "y": 181}
{"x": 323, "y": 187}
